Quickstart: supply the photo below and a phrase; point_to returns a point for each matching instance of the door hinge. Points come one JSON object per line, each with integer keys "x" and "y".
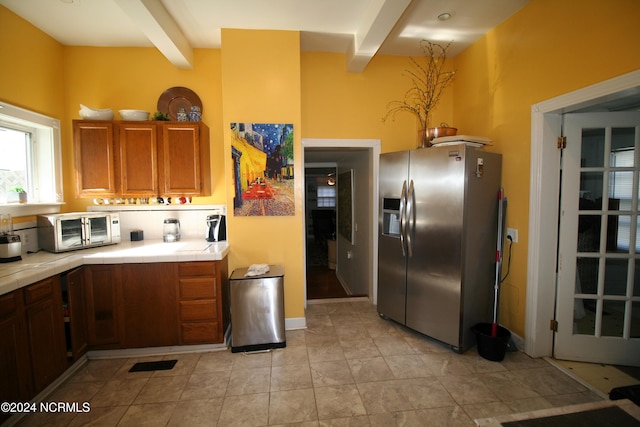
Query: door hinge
{"x": 553, "y": 325}
{"x": 562, "y": 142}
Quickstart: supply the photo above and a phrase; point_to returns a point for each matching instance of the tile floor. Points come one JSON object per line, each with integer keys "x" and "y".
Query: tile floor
{"x": 348, "y": 368}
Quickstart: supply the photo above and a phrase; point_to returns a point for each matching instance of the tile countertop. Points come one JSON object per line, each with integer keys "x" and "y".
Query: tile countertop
{"x": 40, "y": 265}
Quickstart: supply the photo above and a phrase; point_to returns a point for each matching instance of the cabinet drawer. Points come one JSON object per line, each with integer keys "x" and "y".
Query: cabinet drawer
{"x": 198, "y": 310}
{"x": 9, "y": 304}
{"x": 40, "y": 290}
{"x": 200, "y": 332}
{"x": 202, "y": 268}
{"x": 197, "y": 288}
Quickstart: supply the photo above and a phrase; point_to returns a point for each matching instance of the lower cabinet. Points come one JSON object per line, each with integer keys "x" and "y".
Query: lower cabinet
{"x": 32, "y": 340}
{"x": 104, "y": 308}
{"x": 15, "y": 380}
{"x": 201, "y": 294}
{"x": 73, "y": 294}
{"x": 45, "y": 331}
{"x": 149, "y": 300}
{"x": 156, "y": 304}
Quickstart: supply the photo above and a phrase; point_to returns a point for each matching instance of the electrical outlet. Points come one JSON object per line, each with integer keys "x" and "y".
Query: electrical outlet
{"x": 512, "y": 234}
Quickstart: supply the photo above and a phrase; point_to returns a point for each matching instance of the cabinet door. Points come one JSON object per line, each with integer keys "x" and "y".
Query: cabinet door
{"x": 103, "y": 298}
{"x": 202, "y": 313}
{"x": 15, "y": 380}
{"x": 183, "y": 159}
{"x": 94, "y": 158}
{"x": 45, "y": 325}
{"x": 150, "y": 308}
{"x": 137, "y": 147}
{"x": 77, "y": 313}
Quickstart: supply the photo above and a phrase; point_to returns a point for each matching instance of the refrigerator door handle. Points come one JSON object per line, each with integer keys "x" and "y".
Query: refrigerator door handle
{"x": 411, "y": 218}
{"x": 403, "y": 206}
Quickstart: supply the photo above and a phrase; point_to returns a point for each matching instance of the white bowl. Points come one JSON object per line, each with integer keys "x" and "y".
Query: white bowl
{"x": 134, "y": 114}
{"x": 89, "y": 113}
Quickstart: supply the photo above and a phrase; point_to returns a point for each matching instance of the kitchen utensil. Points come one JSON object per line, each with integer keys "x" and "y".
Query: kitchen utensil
{"x": 502, "y": 204}
{"x": 6, "y": 224}
{"x": 10, "y": 245}
{"x": 171, "y": 230}
{"x": 216, "y": 228}
{"x": 442, "y": 130}
{"x": 134, "y": 114}
{"x": 176, "y": 98}
{"x": 89, "y": 113}
{"x": 10, "y": 248}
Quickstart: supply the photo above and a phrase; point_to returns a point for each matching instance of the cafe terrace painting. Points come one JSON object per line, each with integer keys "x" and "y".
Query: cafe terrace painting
{"x": 262, "y": 169}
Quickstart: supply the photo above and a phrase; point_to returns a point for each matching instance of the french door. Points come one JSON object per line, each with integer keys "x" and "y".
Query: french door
{"x": 598, "y": 288}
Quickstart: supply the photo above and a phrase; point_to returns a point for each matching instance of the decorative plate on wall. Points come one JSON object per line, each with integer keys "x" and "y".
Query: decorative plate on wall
{"x": 175, "y": 98}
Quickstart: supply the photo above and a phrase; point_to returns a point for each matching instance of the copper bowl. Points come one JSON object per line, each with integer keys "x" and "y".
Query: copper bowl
{"x": 441, "y": 131}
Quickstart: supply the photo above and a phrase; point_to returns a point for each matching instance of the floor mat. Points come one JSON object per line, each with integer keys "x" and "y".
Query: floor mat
{"x": 160, "y": 365}
{"x": 601, "y": 413}
{"x": 631, "y": 392}
{"x": 612, "y": 416}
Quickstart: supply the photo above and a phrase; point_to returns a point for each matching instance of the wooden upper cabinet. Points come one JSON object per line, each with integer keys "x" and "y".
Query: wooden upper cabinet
{"x": 94, "y": 156}
{"x": 141, "y": 159}
{"x": 183, "y": 159}
{"x": 137, "y": 148}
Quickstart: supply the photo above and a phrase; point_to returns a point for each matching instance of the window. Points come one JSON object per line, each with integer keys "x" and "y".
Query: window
{"x": 31, "y": 155}
{"x": 16, "y": 148}
{"x": 326, "y": 196}
{"x": 621, "y": 191}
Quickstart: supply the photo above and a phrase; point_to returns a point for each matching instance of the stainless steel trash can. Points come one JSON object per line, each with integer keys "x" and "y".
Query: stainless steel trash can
{"x": 257, "y": 310}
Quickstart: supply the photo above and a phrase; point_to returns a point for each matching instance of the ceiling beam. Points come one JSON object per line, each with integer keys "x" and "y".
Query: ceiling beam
{"x": 376, "y": 26}
{"x": 155, "y": 22}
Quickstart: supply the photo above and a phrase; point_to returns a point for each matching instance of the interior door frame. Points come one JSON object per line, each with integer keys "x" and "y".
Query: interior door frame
{"x": 374, "y": 145}
{"x": 546, "y": 123}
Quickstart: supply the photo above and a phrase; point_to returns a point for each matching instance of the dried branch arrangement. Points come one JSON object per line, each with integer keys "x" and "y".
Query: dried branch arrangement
{"x": 429, "y": 80}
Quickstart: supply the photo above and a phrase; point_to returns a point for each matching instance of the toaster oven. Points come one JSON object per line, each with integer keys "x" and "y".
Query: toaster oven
{"x": 80, "y": 230}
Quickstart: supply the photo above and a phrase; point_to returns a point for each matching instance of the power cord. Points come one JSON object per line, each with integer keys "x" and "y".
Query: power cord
{"x": 508, "y": 259}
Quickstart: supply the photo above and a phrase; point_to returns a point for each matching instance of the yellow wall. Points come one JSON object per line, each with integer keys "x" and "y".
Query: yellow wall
{"x": 261, "y": 80}
{"x": 134, "y": 78}
{"x": 31, "y": 75}
{"x": 338, "y": 104}
{"x": 547, "y": 49}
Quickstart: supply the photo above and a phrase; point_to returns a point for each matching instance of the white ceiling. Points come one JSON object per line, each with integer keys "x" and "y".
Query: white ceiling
{"x": 358, "y": 28}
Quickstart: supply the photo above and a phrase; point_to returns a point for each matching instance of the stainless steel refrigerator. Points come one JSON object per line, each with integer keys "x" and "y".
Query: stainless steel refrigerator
{"x": 437, "y": 240}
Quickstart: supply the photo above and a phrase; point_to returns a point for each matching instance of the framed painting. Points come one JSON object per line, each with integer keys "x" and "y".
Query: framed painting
{"x": 263, "y": 176}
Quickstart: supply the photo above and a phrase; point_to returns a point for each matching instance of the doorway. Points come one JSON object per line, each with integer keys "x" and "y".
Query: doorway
{"x": 546, "y": 125}
{"x": 321, "y": 230}
{"x": 355, "y": 254}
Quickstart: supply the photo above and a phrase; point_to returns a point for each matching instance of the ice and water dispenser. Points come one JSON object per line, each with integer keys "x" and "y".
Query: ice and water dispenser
{"x": 391, "y": 217}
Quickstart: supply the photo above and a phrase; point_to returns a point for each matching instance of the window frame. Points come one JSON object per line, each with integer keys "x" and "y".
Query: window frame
{"x": 47, "y": 156}
{"x": 326, "y": 198}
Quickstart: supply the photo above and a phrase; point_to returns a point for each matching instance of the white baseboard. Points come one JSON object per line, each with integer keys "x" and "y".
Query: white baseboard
{"x": 293, "y": 323}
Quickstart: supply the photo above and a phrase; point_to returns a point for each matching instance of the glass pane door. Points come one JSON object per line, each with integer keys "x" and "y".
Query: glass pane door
{"x": 70, "y": 233}
{"x": 598, "y": 307}
{"x": 98, "y": 230}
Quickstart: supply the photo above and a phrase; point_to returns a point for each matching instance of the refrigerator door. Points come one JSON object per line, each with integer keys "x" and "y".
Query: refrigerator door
{"x": 392, "y": 268}
{"x": 435, "y": 229}
{"x": 479, "y": 240}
